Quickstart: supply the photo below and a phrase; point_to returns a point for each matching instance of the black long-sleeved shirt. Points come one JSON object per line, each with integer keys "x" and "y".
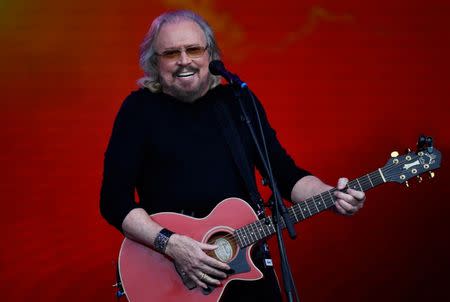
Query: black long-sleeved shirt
{"x": 176, "y": 157}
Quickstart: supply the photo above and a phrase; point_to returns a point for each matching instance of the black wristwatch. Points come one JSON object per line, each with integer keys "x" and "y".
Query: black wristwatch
{"x": 162, "y": 239}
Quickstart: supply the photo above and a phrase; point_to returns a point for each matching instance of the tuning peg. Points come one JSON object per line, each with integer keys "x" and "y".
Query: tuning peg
{"x": 419, "y": 179}
{"x": 407, "y": 184}
{"x": 421, "y": 142}
{"x": 432, "y": 174}
{"x": 394, "y": 154}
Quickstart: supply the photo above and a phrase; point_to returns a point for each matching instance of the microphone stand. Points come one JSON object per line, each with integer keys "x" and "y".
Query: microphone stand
{"x": 280, "y": 214}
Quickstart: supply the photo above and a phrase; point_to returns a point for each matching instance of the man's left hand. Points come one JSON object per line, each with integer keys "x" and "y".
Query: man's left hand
{"x": 349, "y": 201}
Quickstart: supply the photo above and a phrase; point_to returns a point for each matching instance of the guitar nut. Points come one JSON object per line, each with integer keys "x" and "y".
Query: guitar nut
{"x": 414, "y": 171}
{"x": 402, "y": 177}
{"x": 426, "y": 166}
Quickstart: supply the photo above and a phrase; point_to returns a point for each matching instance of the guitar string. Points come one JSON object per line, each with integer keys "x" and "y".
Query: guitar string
{"x": 232, "y": 236}
{"x": 249, "y": 229}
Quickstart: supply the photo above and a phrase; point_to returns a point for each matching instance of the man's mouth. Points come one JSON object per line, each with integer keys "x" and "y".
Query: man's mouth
{"x": 184, "y": 74}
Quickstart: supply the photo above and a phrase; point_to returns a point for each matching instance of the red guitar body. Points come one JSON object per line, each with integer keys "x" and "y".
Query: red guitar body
{"x": 150, "y": 276}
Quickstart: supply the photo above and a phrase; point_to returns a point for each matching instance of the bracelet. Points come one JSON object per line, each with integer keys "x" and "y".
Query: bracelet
{"x": 162, "y": 239}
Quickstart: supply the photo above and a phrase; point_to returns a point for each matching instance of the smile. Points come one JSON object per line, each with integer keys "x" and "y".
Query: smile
{"x": 184, "y": 74}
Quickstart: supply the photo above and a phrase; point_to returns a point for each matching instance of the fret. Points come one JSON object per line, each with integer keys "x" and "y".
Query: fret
{"x": 324, "y": 203}
{"x": 245, "y": 236}
{"x": 315, "y": 205}
{"x": 295, "y": 216}
{"x": 240, "y": 237}
{"x": 261, "y": 225}
{"x": 270, "y": 225}
{"x": 353, "y": 185}
{"x": 326, "y": 199}
{"x": 378, "y": 177}
{"x": 304, "y": 209}
{"x": 307, "y": 206}
{"x": 331, "y": 196}
{"x": 360, "y": 188}
{"x": 300, "y": 209}
{"x": 259, "y": 234}
{"x": 252, "y": 233}
{"x": 236, "y": 235}
{"x": 371, "y": 183}
{"x": 266, "y": 229}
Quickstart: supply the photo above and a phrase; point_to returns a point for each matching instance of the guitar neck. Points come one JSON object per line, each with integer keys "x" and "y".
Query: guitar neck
{"x": 264, "y": 228}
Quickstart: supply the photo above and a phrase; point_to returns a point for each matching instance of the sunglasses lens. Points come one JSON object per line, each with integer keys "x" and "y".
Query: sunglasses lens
{"x": 195, "y": 51}
{"x": 171, "y": 54}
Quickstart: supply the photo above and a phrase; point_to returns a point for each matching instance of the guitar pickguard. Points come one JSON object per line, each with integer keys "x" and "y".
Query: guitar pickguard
{"x": 238, "y": 265}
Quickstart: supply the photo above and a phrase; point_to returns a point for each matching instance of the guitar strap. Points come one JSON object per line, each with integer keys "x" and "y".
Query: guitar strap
{"x": 234, "y": 142}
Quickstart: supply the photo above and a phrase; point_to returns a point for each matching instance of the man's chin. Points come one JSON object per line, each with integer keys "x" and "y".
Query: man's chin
{"x": 186, "y": 93}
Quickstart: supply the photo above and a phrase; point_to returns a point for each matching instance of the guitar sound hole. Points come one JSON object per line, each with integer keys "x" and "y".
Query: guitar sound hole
{"x": 227, "y": 247}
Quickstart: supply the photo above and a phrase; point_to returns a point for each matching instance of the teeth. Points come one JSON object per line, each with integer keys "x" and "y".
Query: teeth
{"x": 185, "y": 74}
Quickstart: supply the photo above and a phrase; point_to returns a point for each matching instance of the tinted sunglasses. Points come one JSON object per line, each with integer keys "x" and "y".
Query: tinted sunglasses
{"x": 191, "y": 51}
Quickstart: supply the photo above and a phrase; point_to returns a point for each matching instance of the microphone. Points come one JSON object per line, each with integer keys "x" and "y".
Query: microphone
{"x": 217, "y": 68}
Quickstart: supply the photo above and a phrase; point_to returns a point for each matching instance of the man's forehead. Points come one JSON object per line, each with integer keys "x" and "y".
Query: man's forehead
{"x": 180, "y": 33}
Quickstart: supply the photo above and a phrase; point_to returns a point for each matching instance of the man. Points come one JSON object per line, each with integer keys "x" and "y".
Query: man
{"x": 167, "y": 145}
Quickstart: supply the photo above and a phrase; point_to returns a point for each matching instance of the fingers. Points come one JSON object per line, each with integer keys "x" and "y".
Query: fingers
{"x": 206, "y": 246}
{"x": 349, "y": 202}
{"x": 212, "y": 262}
{"x": 211, "y": 271}
{"x": 198, "y": 281}
{"x": 339, "y": 208}
{"x": 202, "y": 279}
{"x": 351, "y": 197}
{"x": 345, "y": 208}
{"x": 358, "y": 195}
{"x": 189, "y": 255}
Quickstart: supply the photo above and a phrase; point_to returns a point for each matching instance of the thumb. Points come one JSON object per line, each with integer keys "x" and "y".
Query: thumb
{"x": 208, "y": 247}
{"x": 342, "y": 182}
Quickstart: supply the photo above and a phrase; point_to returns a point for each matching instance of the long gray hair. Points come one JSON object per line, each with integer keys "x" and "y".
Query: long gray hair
{"x": 148, "y": 58}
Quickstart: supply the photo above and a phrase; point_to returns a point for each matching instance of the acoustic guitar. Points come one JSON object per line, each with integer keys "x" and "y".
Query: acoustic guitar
{"x": 234, "y": 227}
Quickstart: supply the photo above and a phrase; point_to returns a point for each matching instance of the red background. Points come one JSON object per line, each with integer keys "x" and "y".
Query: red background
{"x": 344, "y": 82}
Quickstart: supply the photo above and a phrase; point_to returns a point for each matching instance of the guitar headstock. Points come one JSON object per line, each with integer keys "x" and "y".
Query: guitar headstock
{"x": 401, "y": 168}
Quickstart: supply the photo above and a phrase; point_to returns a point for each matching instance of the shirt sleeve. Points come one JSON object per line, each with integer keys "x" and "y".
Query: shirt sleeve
{"x": 122, "y": 161}
{"x": 285, "y": 170}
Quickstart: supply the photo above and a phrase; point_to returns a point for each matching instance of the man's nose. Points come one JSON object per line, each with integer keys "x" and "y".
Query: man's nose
{"x": 184, "y": 59}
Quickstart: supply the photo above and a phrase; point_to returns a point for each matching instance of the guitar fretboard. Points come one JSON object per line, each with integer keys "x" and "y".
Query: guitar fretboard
{"x": 264, "y": 228}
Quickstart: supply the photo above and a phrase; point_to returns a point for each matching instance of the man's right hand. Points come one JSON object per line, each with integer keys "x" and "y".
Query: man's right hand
{"x": 192, "y": 261}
